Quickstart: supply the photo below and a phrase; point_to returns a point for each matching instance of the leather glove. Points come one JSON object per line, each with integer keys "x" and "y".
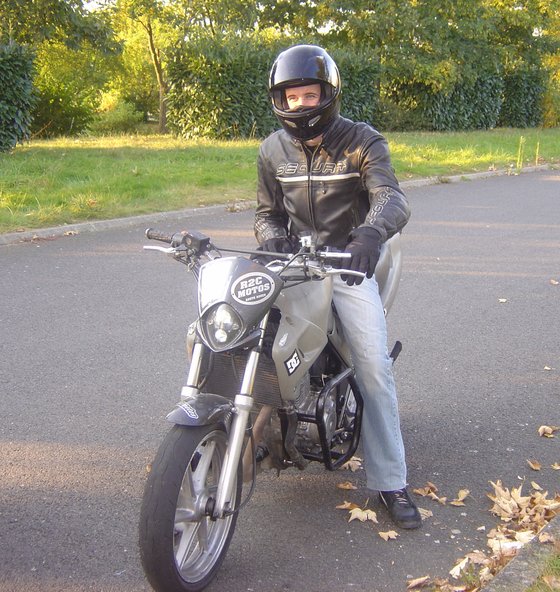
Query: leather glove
{"x": 364, "y": 246}
{"x": 275, "y": 245}
{"x": 278, "y": 245}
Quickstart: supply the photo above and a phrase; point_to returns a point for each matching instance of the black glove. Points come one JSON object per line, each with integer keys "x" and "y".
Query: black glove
{"x": 278, "y": 245}
{"x": 364, "y": 246}
{"x": 274, "y": 245}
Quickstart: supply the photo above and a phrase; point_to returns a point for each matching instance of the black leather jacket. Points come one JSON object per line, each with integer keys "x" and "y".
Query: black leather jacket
{"x": 345, "y": 182}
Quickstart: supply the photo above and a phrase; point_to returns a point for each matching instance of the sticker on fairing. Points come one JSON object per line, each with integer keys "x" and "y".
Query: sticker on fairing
{"x": 253, "y": 288}
{"x": 189, "y": 410}
{"x": 292, "y": 363}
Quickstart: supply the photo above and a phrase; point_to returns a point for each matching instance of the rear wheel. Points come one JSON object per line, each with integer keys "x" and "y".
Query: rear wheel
{"x": 181, "y": 548}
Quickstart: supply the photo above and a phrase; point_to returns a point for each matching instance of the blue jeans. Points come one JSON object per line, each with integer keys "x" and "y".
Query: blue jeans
{"x": 363, "y": 322}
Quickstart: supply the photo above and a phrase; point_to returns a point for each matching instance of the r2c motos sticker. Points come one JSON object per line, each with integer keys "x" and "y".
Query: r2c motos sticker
{"x": 253, "y": 288}
{"x": 292, "y": 363}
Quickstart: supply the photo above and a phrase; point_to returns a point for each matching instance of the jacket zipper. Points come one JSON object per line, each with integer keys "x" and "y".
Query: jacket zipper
{"x": 310, "y": 158}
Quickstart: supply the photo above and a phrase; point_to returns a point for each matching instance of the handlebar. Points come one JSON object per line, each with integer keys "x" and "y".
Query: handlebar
{"x": 159, "y": 236}
{"x": 198, "y": 244}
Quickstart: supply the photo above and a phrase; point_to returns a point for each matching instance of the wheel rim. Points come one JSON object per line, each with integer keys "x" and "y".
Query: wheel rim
{"x": 198, "y": 541}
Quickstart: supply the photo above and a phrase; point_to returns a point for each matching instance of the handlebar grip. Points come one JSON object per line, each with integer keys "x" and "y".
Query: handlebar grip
{"x": 159, "y": 236}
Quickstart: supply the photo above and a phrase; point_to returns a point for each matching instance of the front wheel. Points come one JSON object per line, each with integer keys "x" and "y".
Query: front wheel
{"x": 181, "y": 547}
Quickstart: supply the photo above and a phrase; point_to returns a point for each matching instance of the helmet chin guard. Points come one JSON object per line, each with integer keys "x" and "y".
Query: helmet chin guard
{"x": 303, "y": 65}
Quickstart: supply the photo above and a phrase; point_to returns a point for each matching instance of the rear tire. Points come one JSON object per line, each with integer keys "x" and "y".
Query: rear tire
{"x": 181, "y": 548}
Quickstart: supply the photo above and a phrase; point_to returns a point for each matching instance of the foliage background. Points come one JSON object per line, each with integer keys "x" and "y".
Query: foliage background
{"x": 406, "y": 64}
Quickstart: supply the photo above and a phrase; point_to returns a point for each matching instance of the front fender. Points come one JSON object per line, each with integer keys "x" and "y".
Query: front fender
{"x": 203, "y": 409}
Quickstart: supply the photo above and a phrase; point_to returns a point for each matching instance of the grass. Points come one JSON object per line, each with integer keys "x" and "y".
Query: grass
{"x": 52, "y": 182}
{"x": 549, "y": 578}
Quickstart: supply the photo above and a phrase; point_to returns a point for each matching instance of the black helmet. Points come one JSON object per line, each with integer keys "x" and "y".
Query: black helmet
{"x": 302, "y": 65}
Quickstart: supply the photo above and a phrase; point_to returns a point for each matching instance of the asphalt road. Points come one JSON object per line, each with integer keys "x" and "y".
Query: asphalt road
{"x": 92, "y": 359}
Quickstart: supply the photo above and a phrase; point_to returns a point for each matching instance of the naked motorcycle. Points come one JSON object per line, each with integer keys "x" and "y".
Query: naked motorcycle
{"x": 269, "y": 384}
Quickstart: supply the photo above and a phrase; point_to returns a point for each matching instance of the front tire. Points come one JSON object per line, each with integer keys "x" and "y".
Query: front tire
{"x": 181, "y": 548}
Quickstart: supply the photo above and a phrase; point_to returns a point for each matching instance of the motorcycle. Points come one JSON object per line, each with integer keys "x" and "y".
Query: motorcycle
{"x": 269, "y": 384}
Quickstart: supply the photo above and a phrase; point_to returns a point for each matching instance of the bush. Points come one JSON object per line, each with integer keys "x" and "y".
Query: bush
{"x": 218, "y": 89}
{"x": 16, "y": 74}
{"x": 470, "y": 105}
{"x": 116, "y": 116}
{"x": 466, "y": 105}
{"x": 523, "y": 98}
{"x": 69, "y": 83}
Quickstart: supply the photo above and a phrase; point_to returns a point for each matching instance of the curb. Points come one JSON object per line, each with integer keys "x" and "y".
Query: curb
{"x": 524, "y": 569}
{"x": 69, "y": 229}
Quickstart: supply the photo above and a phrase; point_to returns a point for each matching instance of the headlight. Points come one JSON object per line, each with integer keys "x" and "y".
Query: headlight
{"x": 222, "y": 326}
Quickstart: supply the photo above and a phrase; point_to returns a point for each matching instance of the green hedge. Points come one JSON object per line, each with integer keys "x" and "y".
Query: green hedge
{"x": 470, "y": 105}
{"x": 524, "y": 91}
{"x": 219, "y": 89}
{"x": 17, "y": 99}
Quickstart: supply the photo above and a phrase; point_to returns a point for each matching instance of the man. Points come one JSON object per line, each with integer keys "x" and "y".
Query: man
{"x": 332, "y": 177}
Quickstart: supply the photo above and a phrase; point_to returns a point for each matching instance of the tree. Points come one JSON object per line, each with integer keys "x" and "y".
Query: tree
{"x": 31, "y": 22}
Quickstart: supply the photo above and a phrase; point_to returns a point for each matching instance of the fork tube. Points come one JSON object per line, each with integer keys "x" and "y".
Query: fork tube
{"x": 194, "y": 370}
{"x": 243, "y": 404}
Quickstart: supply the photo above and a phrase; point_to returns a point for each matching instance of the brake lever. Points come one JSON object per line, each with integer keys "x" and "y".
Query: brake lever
{"x": 167, "y": 250}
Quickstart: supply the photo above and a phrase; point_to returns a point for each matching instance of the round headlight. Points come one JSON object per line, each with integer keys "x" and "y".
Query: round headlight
{"x": 222, "y": 326}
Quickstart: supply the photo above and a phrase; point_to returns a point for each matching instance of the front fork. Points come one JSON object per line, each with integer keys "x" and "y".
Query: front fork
{"x": 242, "y": 405}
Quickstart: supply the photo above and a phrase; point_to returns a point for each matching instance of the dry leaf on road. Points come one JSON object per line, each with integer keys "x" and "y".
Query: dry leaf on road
{"x": 548, "y": 431}
{"x": 456, "y": 571}
{"x": 390, "y": 534}
{"x": 430, "y": 490}
{"x": 534, "y": 464}
{"x": 362, "y": 515}
{"x": 347, "y": 506}
{"x": 354, "y": 464}
{"x": 346, "y": 485}
{"x": 461, "y": 496}
{"x": 417, "y": 583}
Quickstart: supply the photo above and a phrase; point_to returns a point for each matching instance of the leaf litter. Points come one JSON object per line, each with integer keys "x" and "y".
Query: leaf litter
{"x": 522, "y": 519}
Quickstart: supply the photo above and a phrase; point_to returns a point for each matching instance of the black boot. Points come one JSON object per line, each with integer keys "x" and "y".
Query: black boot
{"x": 402, "y": 509}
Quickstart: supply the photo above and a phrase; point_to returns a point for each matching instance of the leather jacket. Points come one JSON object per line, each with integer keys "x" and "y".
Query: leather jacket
{"x": 345, "y": 182}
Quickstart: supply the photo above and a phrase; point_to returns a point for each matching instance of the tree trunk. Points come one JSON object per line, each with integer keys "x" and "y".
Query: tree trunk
{"x": 156, "y": 60}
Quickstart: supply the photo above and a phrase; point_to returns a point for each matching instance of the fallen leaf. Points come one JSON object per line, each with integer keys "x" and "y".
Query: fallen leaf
{"x": 478, "y": 557}
{"x": 554, "y": 282}
{"x": 546, "y": 537}
{"x": 547, "y": 368}
{"x": 458, "y": 501}
{"x": 536, "y": 486}
{"x": 429, "y": 490}
{"x": 424, "y": 513}
{"x": 390, "y": 534}
{"x": 417, "y": 583}
{"x": 534, "y": 464}
{"x": 555, "y": 466}
{"x": 524, "y": 536}
{"x": 346, "y": 485}
{"x": 553, "y": 582}
{"x": 456, "y": 571}
{"x": 548, "y": 431}
{"x": 347, "y": 506}
{"x": 354, "y": 464}
{"x": 362, "y": 515}
{"x": 502, "y": 300}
